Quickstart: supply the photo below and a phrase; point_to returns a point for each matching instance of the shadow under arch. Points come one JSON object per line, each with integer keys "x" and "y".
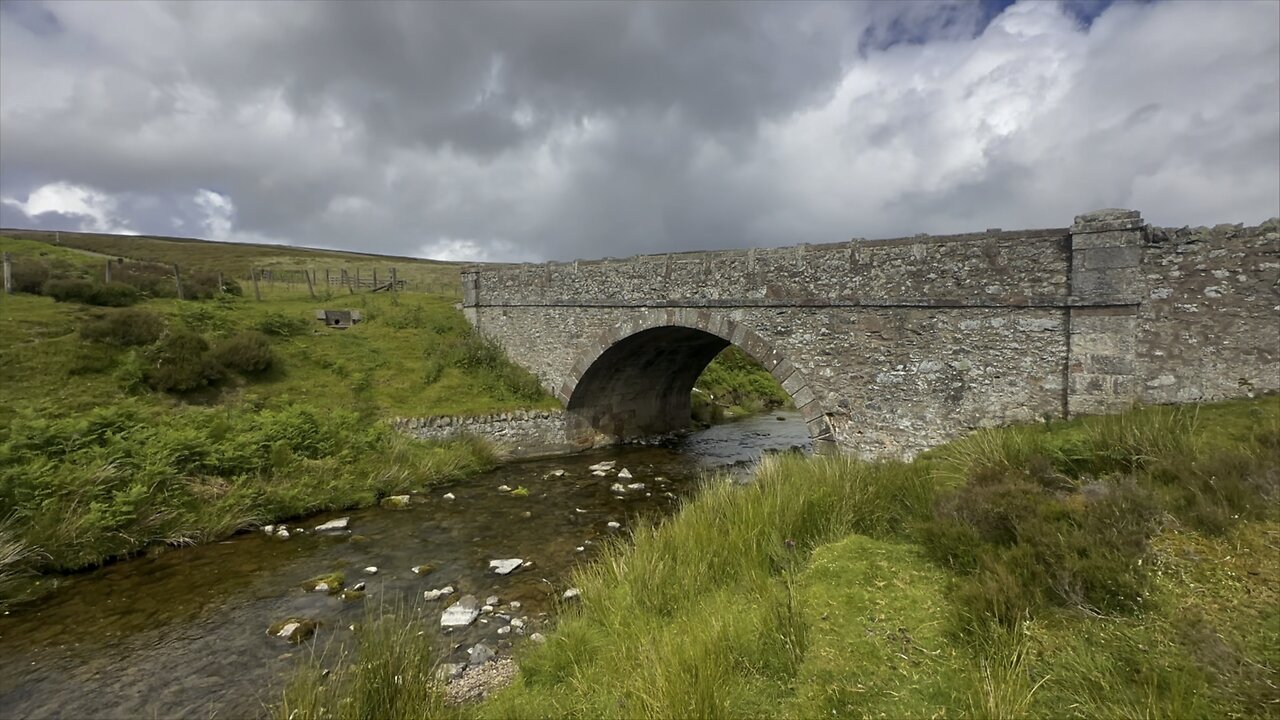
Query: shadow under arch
{"x": 634, "y": 380}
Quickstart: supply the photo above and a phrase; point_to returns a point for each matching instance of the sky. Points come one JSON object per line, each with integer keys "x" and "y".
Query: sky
{"x": 534, "y": 131}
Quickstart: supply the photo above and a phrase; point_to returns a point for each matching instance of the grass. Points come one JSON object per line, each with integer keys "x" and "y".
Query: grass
{"x": 388, "y": 675}
{"x": 734, "y": 384}
{"x": 832, "y": 587}
{"x": 177, "y": 422}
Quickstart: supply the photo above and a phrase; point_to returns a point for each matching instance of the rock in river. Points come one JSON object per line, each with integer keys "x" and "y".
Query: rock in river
{"x": 624, "y": 474}
{"x": 334, "y": 525}
{"x": 294, "y": 629}
{"x": 505, "y": 567}
{"x": 603, "y": 466}
{"x": 462, "y": 613}
{"x": 437, "y": 594}
{"x": 480, "y": 654}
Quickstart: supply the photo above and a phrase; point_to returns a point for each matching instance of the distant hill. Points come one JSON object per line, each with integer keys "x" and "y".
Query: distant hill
{"x": 236, "y": 259}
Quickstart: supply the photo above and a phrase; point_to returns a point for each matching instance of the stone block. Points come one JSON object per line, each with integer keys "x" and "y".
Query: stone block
{"x": 1128, "y": 256}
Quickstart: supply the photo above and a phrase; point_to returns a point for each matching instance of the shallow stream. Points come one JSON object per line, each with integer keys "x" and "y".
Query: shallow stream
{"x": 183, "y": 633}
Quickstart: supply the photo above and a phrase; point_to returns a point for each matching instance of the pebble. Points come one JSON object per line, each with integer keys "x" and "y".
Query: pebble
{"x": 371, "y": 570}
{"x": 504, "y": 488}
{"x": 358, "y": 587}
{"x": 504, "y": 630}
{"x": 624, "y": 474}
{"x": 614, "y": 525}
{"x": 437, "y": 594}
{"x": 571, "y": 594}
{"x": 514, "y": 604}
{"x": 492, "y": 600}
{"x": 448, "y": 496}
{"x": 538, "y": 638}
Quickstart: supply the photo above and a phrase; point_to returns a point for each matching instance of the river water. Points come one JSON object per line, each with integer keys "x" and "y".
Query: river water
{"x": 183, "y": 633}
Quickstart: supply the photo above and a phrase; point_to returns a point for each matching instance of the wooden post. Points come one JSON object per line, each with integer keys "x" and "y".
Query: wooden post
{"x": 222, "y": 285}
{"x": 253, "y": 273}
{"x": 107, "y": 275}
{"x": 328, "y": 281}
{"x": 357, "y": 278}
{"x": 375, "y": 278}
{"x": 393, "y": 279}
{"x": 177, "y": 279}
{"x": 8, "y": 275}
{"x": 311, "y": 289}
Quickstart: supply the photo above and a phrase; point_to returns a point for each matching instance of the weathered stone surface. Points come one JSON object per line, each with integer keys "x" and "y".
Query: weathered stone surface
{"x": 462, "y": 613}
{"x": 505, "y": 567}
{"x": 893, "y": 346}
{"x": 334, "y": 525}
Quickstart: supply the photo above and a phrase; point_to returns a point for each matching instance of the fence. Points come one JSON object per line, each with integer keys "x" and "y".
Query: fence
{"x": 172, "y": 280}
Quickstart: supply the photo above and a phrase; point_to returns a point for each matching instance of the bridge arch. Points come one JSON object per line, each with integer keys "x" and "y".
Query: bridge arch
{"x": 635, "y": 379}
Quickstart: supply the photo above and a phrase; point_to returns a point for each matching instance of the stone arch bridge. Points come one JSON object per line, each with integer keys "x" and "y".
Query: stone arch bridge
{"x": 888, "y": 347}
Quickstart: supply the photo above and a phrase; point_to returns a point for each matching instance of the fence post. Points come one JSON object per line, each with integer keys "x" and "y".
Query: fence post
{"x": 393, "y": 278}
{"x": 357, "y": 278}
{"x": 375, "y": 278}
{"x": 177, "y": 279}
{"x": 222, "y": 285}
{"x": 107, "y": 274}
{"x": 311, "y": 289}
{"x": 328, "y": 281}
{"x": 8, "y": 275}
{"x": 253, "y": 273}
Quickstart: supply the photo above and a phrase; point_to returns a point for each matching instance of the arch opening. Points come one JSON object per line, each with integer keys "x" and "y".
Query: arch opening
{"x": 638, "y": 382}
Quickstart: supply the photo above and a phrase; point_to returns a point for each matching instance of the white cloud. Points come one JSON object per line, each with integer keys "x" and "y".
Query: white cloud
{"x": 466, "y": 250}
{"x": 96, "y": 211}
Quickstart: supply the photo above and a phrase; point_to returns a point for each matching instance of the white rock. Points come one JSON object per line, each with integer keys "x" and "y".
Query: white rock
{"x": 288, "y": 629}
{"x": 635, "y": 486}
{"x": 462, "y": 613}
{"x": 538, "y": 638}
{"x": 579, "y": 549}
{"x": 505, "y": 567}
{"x": 420, "y": 569}
{"x": 334, "y": 525}
{"x": 601, "y": 466}
{"x": 504, "y": 629}
{"x": 556, "y": 473}
{"x": 624, "y": 474}
{"x": 269, "y": 529}
{"x": 571, "y": 594}
{"x": 439, "y": 593}
{"x": 282, "y": 533}
{"x": 517, "y": 622}
{"x": 514, "y": 605}
{"x": 492, "y": 600}
{"x": 321, "y": 587}
{"x": 614, "y": 525}
{"x": 618, "y": 488}
{"x": 579, "y": 510}
{"x": 486, "y": 608}
{"x": 504, "y": 488}
{"x": 358, "y": 587}
{"x": 448, "y": 496}
{"x": 371, "y": 570}
{"x": 599, "y": 473}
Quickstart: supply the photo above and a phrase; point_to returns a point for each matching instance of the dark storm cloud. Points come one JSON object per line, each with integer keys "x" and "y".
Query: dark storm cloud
{"x": 559, "y": 130}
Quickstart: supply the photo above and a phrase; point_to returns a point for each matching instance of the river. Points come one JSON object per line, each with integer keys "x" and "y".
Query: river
{"x": 182, "y": 633}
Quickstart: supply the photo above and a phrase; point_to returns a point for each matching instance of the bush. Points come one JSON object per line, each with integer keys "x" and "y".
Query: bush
{"x": 282, "y": 325}
{"x": 182, "y": 363}
{"x": 29, "y": 276}
{"x": 112, "y": 294}
{"x": 246, "y": 352}
{"x": 127, "y": 328}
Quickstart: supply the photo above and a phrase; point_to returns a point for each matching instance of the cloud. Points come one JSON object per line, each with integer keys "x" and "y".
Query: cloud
{"x": 523, "y": 131}
{"x": 84, "y": 208}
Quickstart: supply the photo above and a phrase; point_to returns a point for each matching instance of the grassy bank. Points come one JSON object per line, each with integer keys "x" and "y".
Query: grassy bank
{"x": 734, "y": 385}
{"x": 170, "y": 422}
{"x": 1119, "y": 566}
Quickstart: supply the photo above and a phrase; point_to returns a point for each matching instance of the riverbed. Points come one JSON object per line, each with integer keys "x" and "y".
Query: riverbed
{"x": 183, "y": 633}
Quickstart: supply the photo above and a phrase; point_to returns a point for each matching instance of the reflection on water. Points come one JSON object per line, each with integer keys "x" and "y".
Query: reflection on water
{"x": 183, "y": 633}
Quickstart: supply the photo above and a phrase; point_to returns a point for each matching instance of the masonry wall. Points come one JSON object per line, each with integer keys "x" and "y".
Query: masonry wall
{"x": 910, "y": 342}
{"x": 522, "y": 434}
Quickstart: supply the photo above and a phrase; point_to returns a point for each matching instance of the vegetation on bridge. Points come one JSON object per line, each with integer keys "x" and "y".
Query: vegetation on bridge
{"x": 1113, "y": 566}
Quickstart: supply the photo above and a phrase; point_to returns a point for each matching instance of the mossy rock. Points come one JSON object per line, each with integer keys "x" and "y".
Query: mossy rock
{"x": 423, "y": 569}
{"x": 352, "y": 594}
{"x": 295, "y": 629}
{"x": 330, "y": 583}
{"x": 396, "y": 502}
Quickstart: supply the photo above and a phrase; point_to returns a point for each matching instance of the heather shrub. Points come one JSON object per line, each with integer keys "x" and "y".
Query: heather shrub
{"x": 246, "y": 352}
{"x": 126, "y": 328}
{"x": 181, "y": 362}
{"x": 111, "y": 294}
